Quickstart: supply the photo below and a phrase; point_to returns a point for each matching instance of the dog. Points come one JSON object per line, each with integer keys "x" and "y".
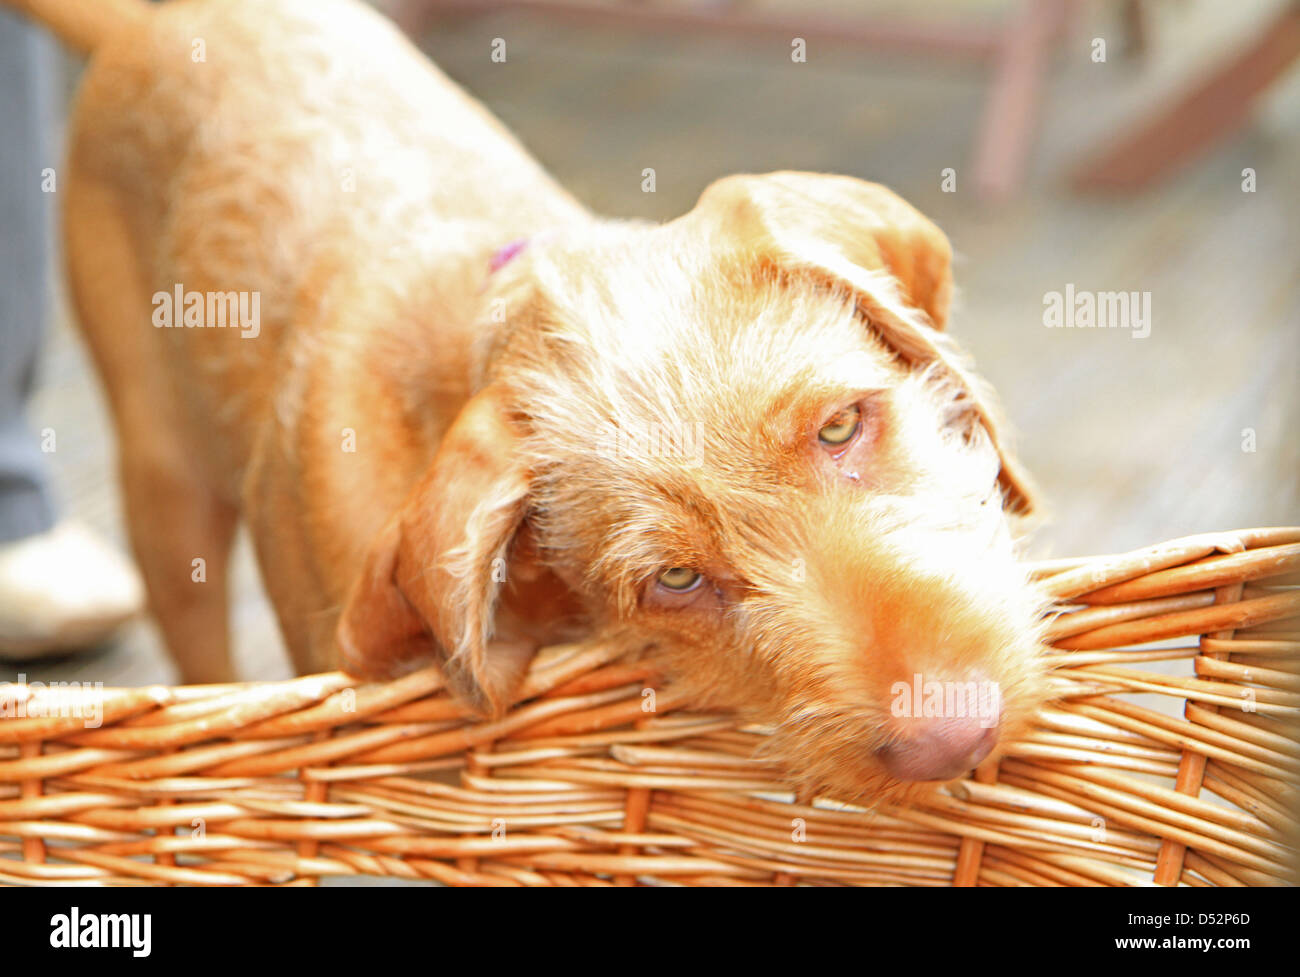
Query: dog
{"x": 464, "y": 418}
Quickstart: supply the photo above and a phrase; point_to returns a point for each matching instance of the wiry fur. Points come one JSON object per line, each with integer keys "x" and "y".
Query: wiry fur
{"x": 494, "y": 502}
{"x": 834, "y": 588}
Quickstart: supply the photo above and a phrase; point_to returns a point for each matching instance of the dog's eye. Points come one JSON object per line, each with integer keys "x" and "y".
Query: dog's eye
{"x": 679, "y": 580}
{"x": 842, "y": 428}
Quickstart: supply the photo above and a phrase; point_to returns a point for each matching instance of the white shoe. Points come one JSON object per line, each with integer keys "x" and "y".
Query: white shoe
{"x": 63, "y": 590}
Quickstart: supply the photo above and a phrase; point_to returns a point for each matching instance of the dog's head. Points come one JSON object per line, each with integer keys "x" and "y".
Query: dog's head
{"x": 742, "y": 442}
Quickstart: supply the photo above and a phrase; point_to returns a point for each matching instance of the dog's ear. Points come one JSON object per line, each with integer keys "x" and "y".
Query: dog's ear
{"x": 432, "y": 579}
{"x": 864, "y": 238}
{"x": 839, "y": 225}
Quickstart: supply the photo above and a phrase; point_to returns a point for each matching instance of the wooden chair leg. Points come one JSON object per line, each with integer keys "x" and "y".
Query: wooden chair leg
{"x": 1012, "y": 107}
{"x": 1206, "y": 114}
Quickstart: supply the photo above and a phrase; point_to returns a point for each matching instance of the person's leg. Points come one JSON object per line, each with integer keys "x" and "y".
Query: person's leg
{"x": 61, "y": 587}
{"x": 26, "y": 63}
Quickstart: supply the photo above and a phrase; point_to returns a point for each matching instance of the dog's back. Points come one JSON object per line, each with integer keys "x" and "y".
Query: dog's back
{"x": 258, "y": 151}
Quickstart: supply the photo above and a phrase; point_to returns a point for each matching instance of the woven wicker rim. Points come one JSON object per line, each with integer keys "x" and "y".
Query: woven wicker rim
{"x": 288, "y": 782}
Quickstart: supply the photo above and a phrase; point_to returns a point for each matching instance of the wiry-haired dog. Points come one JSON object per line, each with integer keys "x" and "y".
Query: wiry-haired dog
{"x": 474, "y": 418}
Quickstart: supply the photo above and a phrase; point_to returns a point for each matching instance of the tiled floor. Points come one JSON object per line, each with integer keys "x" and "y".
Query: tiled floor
{"x": 1133, "y": 441}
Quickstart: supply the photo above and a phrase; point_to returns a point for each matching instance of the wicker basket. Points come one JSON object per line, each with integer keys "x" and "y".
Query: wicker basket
{"x": 1142, "y": 771}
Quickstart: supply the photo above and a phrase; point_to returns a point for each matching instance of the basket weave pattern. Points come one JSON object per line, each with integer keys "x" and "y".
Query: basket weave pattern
{"x": 1137, "y": 774}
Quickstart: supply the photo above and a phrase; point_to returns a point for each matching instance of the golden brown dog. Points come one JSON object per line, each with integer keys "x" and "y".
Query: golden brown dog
{"x": 464, "y": 417}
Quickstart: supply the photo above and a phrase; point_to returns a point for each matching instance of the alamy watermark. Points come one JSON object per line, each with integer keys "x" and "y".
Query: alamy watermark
{"x": 75, "y": 930}
{"x": 53, "y": 700}
{"x": 1083, "y": 309}
{"x": 179, "y": 309}
{"x": 946, "y": 700}
{"x": 681, "y": 441}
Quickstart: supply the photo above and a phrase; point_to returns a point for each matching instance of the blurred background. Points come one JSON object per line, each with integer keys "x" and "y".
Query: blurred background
{"x": 1114, "y": 146}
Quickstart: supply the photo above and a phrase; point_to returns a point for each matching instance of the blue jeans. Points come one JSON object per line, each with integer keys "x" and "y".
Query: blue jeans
{"x": 28, "y": 64}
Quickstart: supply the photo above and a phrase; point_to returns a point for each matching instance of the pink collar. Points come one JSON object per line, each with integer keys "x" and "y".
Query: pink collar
{"x": 504, "y": 255}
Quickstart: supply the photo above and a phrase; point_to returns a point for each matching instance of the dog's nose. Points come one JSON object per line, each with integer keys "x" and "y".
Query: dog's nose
{"x": 939, "y": 748}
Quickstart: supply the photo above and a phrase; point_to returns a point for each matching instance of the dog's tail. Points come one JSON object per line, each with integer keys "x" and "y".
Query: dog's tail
{"x": 83, "y": 24}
